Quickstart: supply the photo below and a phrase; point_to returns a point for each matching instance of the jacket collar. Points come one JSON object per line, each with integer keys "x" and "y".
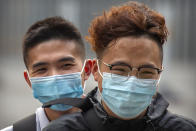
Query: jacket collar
{"x": 157, "y": 107}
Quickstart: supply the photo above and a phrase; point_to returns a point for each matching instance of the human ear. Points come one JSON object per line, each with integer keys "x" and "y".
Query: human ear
{"x": 87, "y": 69}
{"x": 26, "y": 76}
{"x": 95, "y": 70}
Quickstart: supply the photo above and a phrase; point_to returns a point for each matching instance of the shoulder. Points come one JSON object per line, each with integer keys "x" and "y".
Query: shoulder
{"x": 41, "y": 118}
{"x": 24, "y": 123}
{"x": 68, "y": 122}
{"x": 9, "y": 128}
{"x": 175, "y": 122}
{"x": 20, "y": 124}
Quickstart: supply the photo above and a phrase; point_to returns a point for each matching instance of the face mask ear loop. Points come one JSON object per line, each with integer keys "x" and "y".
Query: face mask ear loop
{"x": 99, "y": 95}
{"x": 83, "y": 67}
{"x": 28, "y": 77}
{"x": 159, "y": 77}
{"x": 84, "y": 88}
{"x": 99, "y": 69}
{"x": 158, "y": 80}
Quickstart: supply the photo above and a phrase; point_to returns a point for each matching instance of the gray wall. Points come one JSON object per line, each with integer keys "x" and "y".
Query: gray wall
{"x": 178, "y": 79}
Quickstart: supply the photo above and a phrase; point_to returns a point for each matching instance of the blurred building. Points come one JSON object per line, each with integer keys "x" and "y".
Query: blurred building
{"x": 178, "y": 79}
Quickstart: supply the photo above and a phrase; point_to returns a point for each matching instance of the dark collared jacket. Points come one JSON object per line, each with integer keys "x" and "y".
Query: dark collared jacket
{"x": 157, "y": 118}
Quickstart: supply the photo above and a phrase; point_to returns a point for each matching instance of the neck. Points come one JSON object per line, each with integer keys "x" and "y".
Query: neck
{"x": 110, "y": 113}
{"x": 53, "y": 115}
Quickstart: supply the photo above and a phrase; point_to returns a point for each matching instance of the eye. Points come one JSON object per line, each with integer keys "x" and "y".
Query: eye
{"x": 41, "y": 70}
{"x": 147, "y": 72}
{"x": 119, "y": 69}
{"x": 66, "y": 66}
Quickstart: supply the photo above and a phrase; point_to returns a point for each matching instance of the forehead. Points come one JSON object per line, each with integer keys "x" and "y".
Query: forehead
{"x": 52, "y": 50}
{"x": 133, "y": 50}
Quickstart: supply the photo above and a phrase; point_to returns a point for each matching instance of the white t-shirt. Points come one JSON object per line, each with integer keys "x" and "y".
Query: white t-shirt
{"x": 41, "y": 120}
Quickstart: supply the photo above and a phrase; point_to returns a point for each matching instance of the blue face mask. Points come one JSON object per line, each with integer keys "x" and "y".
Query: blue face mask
{"x": 54, "y": 87}
{"x": 130, "y": 98}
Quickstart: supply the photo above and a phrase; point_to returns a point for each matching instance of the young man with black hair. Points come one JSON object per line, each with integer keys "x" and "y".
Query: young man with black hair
{"x": 54, "y": 56}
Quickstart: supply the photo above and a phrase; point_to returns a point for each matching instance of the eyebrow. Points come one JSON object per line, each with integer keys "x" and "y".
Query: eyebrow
{"x": 120, "y": 63}
{"x": 64, "y": 59}
{"x": 39, "y": 64}
{"x": 125, "y": 64}
{"x": 147, "y": 66}
{"x": 60, "y": 60}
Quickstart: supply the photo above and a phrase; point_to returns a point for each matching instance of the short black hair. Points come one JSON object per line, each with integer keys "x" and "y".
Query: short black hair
{"x": 48, "y": 29}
